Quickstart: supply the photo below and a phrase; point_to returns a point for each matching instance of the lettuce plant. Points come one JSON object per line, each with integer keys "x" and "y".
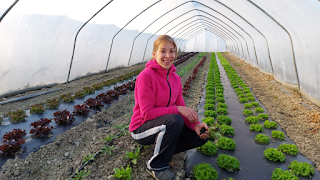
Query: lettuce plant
{"x": 219, "y": 95}
{"x": 210, "y": 113}
{"x": 226, "y": 129}
{"x": 243, "y": 100}
{"x": 256, "y": 127}
{"x": 230, "y": 163}
{"x": 12, "y": 142}
{"x": 41, "y": 127}
{"x": 291, "y": 149}
{"x": 222, "y": 105}
{"x": 259, "y": 109}
{"x": 219, "y": 90}
{"x": 209, "y": 107}
{"x": 251, "y": 98}
{"x": 252, "y": 119}
{"x": 210, "y": 92}
{"x": 63, "y": 117}
{"x": 209, "y": 148}
{"x": 241, "y": 96}
{"x": 239, "y": 93}
{"x": 222, "y": 111}
{"x": 277, "y": 134}
{"x": 247, "y": 112}
{"x": 80, "y": 174}
{"x": 210, "y": 88}
{"x": 98, "y": 86}
{"x": 301, "y": 169}
{"x": 81, "y": 110}
{"x": 79, "y": 94}
{"x": 53, "y": 103}
{"x": 246, "y": 90}
{"x": 230, "y": 178}
{"x": 15, "y": 134}
{"x": 205, "y": 171}
{"x": 89, "y": 90}
{"x": 226, "y": 143}
{"x": 210, "y": 101}
{"x": 220, "y": 99}
{"x": 210, "y": 96}
{"x": 279, "y": 174}
{"x": 208, "y": 120}
{"x": 263, "y": 116}
{"x": 273, "y": 154}
{"x": 270, "y": 124}
{"x": 263, "y": 139}
{"x": 67, "y": 98}
{"x": 249, "y": 95}
{"x": 247, "y": 105}
{"x": 17, "y": 116}
{"x": 93, "y": 103}
{"x": 223, "y": 119}
{"x": 255, "y": 104}
{"x": 235, "y": 86}
{"x": 37, "y": 109}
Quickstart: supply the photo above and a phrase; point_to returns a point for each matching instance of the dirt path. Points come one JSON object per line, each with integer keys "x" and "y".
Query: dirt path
{"x": 298, "y": 117}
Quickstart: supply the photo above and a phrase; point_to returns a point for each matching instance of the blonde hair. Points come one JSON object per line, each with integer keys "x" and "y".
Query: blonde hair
{"x": 161, "y": 39}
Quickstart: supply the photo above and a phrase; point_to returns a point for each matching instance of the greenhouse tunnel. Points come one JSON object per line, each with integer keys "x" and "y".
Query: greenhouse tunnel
{"x": 43, "y": 43}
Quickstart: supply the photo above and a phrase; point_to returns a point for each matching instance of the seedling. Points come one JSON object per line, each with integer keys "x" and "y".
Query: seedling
{"x": 222, "y": 105}
{"x": 273, "y": 154}
{"x": 67, "y": 98}
{"x": 205, "y": 171}
{"x": 259, "y": 109}
{"x": 124, "y": 128}
{"x": 277, "y": 134}
{"x": 210, "y": 113}
{"x": 222, "y": 111}
{"x": 263, "y": 139}
{"x": 226, "y": 143}
{"x": 279, "y": 174}
{"x": 37, "y": 109}
{"x": 230, "y": 163}
{"x": 291, "y": 149}
{"x": 108, "y": 138}
{"x": 252, "y": 119}
{"x": 209, "y": 107}
{"x": 134, "y": 156}
{"x": 220, "y": 99}
{"x": 98, "y": 86}
{"x": 247, "y": 112}
{"x": 270, "y": 124}
{"x": 107, "y": 149}
{"x": 80, "y": 175}
{"x": 301, "y": 169}
{"x": 17, "y": 116}
{"x": 256, "y": 127}
{"x": 209, "y": 121}
{"x": 263, "y": 116}
{"x": 87, "y": 158}
{"x": 226, "y": 129}
{"x": 223, "y": 119}
{"x": 123, "y": 173}
{"x": 209, "y": 148}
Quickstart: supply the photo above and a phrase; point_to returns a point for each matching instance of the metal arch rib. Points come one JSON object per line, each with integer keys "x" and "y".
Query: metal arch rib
{"x": 293, "y": 54}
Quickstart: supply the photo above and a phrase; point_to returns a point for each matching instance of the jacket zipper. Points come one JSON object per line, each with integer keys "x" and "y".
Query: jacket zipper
{"x": 169, "y": 88}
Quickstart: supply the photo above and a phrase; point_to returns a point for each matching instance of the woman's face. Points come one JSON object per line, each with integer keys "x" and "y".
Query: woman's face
{"x": 165, "y": 55}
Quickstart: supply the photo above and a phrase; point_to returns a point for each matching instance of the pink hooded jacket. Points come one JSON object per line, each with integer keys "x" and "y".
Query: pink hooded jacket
{"x": 155, "y": 96}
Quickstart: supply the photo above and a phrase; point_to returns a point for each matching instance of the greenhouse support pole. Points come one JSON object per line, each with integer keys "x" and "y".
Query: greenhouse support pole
{"x": 124, "y": 27}
{"x": 6, "y": 12}
{"x": 293, "y": 54}
{"x": 75, "y": 39}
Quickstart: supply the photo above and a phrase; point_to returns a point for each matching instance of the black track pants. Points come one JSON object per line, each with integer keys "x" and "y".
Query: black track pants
{"x": 170, "y": 136}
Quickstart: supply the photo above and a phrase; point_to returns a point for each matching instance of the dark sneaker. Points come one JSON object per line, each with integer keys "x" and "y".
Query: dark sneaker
{"x": 165, "y": 174}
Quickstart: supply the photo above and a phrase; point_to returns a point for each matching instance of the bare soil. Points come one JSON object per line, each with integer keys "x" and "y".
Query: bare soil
{"x": 61, "y": 158}
{"x": 298, "y": 117}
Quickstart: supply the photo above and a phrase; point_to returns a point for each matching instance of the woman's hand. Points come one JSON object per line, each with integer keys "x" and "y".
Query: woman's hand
{"x": 197, "y": 129}
{"x": 188, "y": 113}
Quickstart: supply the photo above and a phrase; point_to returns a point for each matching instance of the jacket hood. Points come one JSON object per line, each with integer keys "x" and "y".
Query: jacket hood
{"x": 152, "y": 64}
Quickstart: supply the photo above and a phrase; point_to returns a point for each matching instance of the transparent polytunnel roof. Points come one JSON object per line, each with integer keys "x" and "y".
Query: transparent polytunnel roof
{"x": 56, "y": 41}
